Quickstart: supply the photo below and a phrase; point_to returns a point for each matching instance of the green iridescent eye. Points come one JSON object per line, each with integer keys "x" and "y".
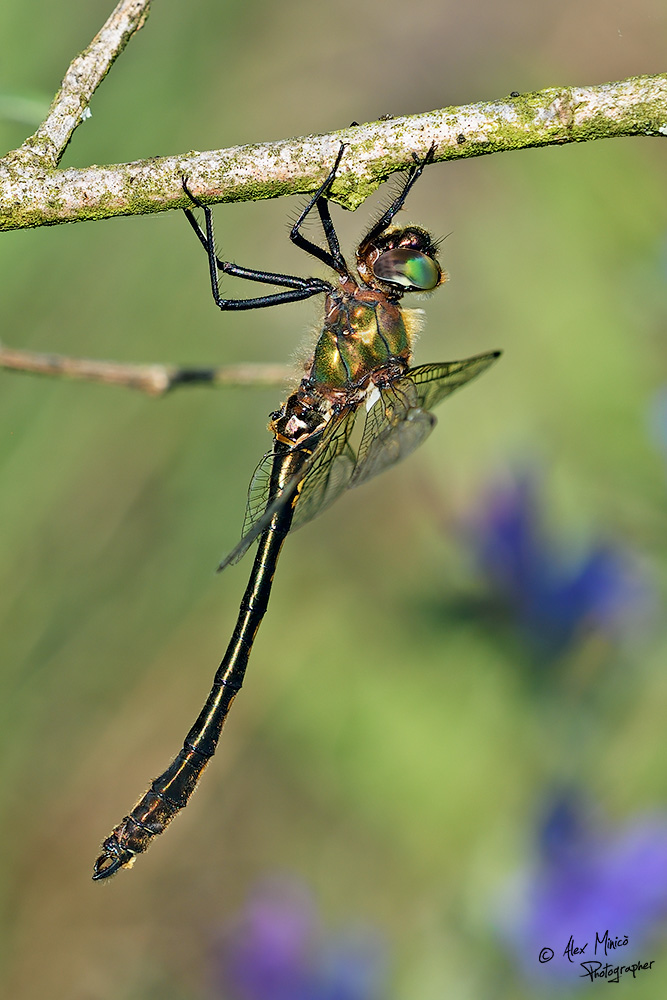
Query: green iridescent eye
{"x": 408, "y": 268}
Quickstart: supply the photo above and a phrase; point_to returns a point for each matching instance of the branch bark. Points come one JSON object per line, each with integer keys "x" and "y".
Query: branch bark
{"x": 34, "y": 192}
{"x": 43, "y": 151}
{"x": 155, "y": 380}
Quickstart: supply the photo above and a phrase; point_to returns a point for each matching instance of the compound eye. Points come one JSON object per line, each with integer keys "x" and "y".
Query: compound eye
{"x": 408, "y": 268}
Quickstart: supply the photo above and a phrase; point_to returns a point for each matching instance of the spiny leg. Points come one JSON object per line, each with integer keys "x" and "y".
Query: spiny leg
{"x": 333, "y": 258}
{"x": 384, "y": 221}
{"x": 331, "y": 236}
{"x": 299, "y": 288}
{"x": 289, "y": 280}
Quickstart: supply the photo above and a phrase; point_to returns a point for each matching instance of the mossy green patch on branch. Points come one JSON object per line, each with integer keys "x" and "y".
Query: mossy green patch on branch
{"x": 33, "y": 193}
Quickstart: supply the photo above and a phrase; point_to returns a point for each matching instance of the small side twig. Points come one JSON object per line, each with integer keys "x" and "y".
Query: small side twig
{"x": 69, "y": 108}
{"x": 156, "y": 380}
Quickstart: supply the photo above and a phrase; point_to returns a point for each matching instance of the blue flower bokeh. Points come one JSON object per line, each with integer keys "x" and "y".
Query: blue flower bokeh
{"x": 553, "y": 599}
{"x": 588, "y": 878}
{"x": 278, "y": 949}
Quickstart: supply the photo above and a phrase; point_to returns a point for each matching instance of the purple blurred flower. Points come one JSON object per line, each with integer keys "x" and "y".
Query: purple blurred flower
{"x": 278, "y": 950}
{"x": 552, "y": 599}
{"x": 586, "y": 881}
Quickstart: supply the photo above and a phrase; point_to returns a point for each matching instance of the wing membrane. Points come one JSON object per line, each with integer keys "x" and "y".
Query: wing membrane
{"x": 330, "y": 474}
{"x": 400, "y": 421}
{"x": 395, "y": 426}
{"x": 397, "y": 422}
{"x": 434, "y": 382}
{"x": 331, "y": 446}
{"x": 258, "y": 493}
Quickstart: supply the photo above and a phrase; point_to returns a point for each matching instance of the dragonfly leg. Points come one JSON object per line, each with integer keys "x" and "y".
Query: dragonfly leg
{"x": 298, "y": 288}
{"x": 332, "y": 239}
{"x": 384, "y": 221}
{"x": 332, "y": 257}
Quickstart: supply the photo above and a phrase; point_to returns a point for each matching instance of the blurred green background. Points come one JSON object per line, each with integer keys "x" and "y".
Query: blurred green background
{"x": 387, "y": 749}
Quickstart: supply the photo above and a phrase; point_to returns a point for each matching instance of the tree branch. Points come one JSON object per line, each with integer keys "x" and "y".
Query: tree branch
{"x": 33, "y": 192}
{"x": 156, "y": 380}
{"x": 43, "y": 151}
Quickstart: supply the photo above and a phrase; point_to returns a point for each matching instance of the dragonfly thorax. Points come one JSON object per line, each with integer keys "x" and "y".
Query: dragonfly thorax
{"x": 363, "y": 330}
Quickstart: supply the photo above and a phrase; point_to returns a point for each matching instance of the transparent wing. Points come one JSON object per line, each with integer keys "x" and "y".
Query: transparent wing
{"x": 395, "y": 426}
{"x": 319, "y": 466}
{"x": 399, "y": 421}
{"x": 258, "y": 494}
{"x": 434, "y": 382}
{"x": 329, "y": 475}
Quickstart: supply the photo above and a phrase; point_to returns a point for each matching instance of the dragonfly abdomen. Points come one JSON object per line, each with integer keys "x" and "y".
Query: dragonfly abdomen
{"x": 171, "y": 791}
{"x": 154, "y": 811}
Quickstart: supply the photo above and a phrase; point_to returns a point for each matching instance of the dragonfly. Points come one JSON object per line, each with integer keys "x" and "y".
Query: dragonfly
{"x": 360, "y": 368}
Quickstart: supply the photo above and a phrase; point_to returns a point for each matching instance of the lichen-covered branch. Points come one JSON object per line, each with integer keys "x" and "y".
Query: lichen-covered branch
{"x": 34, "y": 192}
{"x": 637, "y": 106}
{"x": 43, "y": 150}
{"x": 156, "y": 380}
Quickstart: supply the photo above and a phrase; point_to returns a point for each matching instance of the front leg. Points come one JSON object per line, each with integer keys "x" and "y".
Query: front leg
{"x": 333, "y": 258}
{"x": 299, "y": 288}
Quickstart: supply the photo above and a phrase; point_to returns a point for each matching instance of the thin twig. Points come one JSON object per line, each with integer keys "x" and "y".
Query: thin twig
{"x": 156, "y": 380}
{"x": 43, "y": 150}
{"x": 33, "y": 192}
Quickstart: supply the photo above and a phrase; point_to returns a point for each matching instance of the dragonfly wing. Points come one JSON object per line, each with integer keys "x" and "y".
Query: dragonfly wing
{"x": 329, "y": 475}
{"x": 433, "y": 383}
{"x": 399, "y": 420}
{"x": 396, "y": 423}
{"x": 395, "y": 426}
{"x": 258, "y": 494}
{"x": 261, "y": 509}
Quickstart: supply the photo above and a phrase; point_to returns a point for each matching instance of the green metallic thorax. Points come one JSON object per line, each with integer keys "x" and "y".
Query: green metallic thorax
{"x": 363, "y": 331}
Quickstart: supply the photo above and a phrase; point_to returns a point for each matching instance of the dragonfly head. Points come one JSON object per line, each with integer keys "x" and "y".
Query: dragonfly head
{"x": 399, "y": 261}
